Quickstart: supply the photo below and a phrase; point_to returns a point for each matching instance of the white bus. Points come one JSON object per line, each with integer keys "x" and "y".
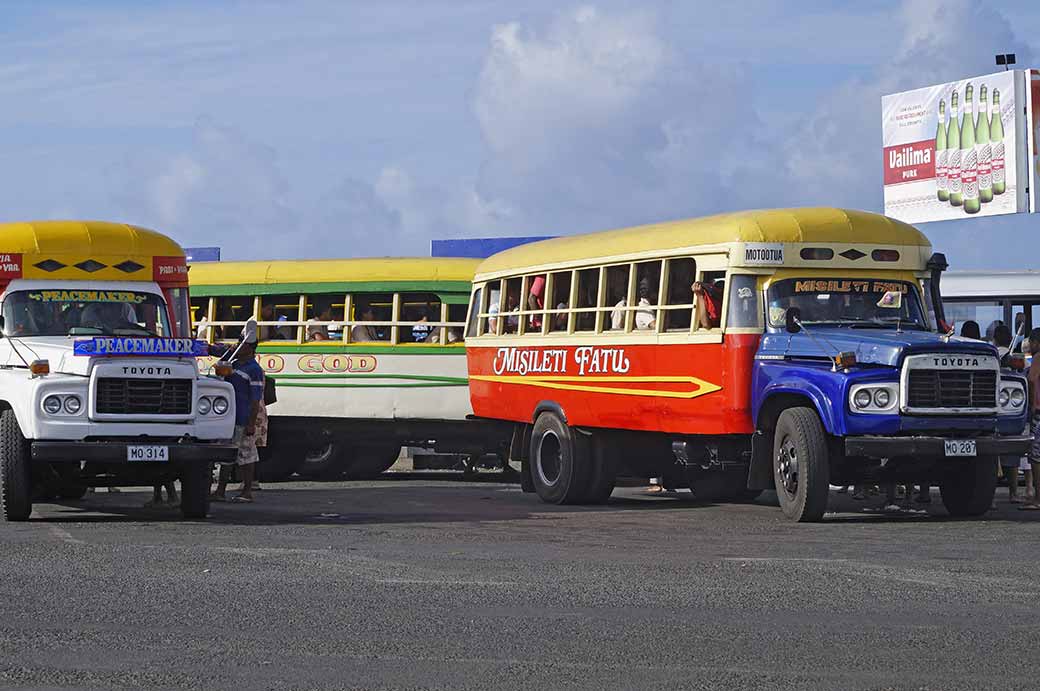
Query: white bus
{"x": 988, "y": 296}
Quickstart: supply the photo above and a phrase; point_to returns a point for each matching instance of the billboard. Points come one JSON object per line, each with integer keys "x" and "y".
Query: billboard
{"x": 1034, "y": 129}
{"x": 202, "y": 254}
{"x": 479, "y": 248}
{"x": 957, "y": 150}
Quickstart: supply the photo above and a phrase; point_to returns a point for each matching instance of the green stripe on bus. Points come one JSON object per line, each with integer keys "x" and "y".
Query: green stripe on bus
{"x": 414, "y": 377}
{"x": 325, "y": 288}
{"x": 361, "y": 349}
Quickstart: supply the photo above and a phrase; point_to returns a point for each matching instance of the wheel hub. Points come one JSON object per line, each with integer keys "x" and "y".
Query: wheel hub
{"x": 549, "y": 459}
{"x": 787, "y": 464}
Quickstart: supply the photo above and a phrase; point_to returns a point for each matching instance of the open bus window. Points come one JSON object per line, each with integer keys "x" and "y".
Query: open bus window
{"x": 560, "y": 300}
{"x": 982, "y": 312}
{"x": 234, "y": 309}
{"x": 277, "y": 309}
{"x": 679, "y": 295}
{"x": 452, "y": 333}
{"x": 648, "y": 286}
{"x": 489, "y": 324}
{"x": 372, "y": 308}
{"x": 588, "y": 300}
{"x": 418, "y": 311}
{"x": 476, "y": 305}
{"x": 617, "y": 295}
{"x": 511, "y": 321}
{"x": 743, "y": 302}
{"x": 324, "y": 308}
{"x": 200, "y": 311}
{"x": 535, "y": 302}
{"x": 709, "y": 292}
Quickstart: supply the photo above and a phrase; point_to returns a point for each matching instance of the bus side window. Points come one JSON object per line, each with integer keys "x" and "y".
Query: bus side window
{"x": 647, "y": 297}
{"x": 475, "y": 307}
{"x": 710, "y": 300}
{"x": 681, "y": 275}
{"x": 743, "y": 302}
{"x": 417, "y": 311}
{"x": 617, "y": 296}
{"x": 452, "y": 333}
{"x": 490, "y": 320}
{"x": 535, "y": 302}
{"x": 511, "y": 322}
{"x": 371, "y": 307}
{"x": 200, "y": 311}
{"x": 588, "y": 294}
{"x": 324, "y": 308}
{"x": 560, "y": 285}
{"x": 233, "y": 309}
{"x": 278, "y": 308}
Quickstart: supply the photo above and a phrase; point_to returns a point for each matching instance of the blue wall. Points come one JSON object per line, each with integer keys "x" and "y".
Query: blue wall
{"x": 202, "y": 254}
{"x": 478, "y": 248}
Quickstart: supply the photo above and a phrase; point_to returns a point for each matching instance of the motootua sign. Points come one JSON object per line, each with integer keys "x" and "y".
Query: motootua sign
{"x": 587, "y": 360}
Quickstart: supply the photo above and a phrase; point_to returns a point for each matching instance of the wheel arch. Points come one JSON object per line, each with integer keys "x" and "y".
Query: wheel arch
{"x": 549, "y": 407}
{"x": 776, "y": 400}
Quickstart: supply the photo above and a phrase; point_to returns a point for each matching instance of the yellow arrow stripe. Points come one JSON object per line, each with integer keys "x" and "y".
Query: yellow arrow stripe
{"x": 562, "y": 382}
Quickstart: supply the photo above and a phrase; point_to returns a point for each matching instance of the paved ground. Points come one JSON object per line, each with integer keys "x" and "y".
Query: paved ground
{"x": 423, "y": 583}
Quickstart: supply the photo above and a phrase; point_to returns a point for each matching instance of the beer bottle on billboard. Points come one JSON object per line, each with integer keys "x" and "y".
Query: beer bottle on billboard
{"x": 984, "y": 149}
{"x": 969, "y": 157}
{"x": 941, "y": 183}
{"x": 953, "y": 161}
{"x": 996, "y": 135}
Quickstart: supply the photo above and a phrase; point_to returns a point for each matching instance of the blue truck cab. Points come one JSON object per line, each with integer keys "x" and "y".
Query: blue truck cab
{"x": 858, "y": 380}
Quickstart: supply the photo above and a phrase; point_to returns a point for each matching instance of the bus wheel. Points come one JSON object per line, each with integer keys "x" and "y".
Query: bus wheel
{"x": 369, "y": 462}
{"x": 800, "y": 466}
{"x": 967, "y": 487}
{"x": 324, "y": 462}
{"x": 195, "y": 483}
{"x": 15, "y": 482}
{"x": 559, "y": 461}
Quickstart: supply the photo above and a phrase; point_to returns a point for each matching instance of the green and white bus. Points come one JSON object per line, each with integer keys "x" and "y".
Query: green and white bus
{"x": 367, "y": 355}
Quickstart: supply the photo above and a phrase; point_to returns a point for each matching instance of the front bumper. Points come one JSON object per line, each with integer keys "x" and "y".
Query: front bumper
{"x": 890, "y": 447}
{"x": 115, "y": 451}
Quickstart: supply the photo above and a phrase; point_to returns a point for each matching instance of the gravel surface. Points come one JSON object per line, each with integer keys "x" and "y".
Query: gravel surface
{"x": 414, "y": 583}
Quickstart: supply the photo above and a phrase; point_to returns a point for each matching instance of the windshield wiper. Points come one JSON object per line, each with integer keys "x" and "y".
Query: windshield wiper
{"x": 138, "y": 331}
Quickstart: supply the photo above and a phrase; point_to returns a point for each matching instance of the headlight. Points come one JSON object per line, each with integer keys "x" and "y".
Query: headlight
{"x": 1018, "y": 398}
{"x": 52, "y": 404}
{"x": 204, "y": 406}
{"x": 1005, "y": 398}
{"x": 876, "y": 399}
{"x": 882, "y": 398}
{"x": 1011, "y": 397}
{"x": 220, "y": 405}
{"x": 862, "y": 398}
{"x": 73, "y": 405}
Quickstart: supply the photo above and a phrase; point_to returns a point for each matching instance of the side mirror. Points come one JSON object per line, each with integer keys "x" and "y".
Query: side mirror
{"x": 791, "y": 318}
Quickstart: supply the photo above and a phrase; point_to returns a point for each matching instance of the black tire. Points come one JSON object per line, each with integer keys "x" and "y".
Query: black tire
{"x": 15, "y": 478}
{"x": 602, "y": 473}
{"x": 560, "y": 461}
{"x": 195, "y": 484}
{"x": 277, "y": 463}
{"x": 324, "y": 462}
{"x": 369, "y": 462}
{"x": 967, "y": 487}
{"x": 800, "y": 465}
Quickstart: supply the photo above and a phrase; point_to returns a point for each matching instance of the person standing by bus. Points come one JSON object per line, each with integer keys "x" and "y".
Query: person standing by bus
{"x": 1034, "y": 417}
{"x": 248, "y": 379}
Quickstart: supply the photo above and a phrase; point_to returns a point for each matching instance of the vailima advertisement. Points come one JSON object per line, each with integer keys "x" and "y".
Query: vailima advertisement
{"x": 958, "y": 150}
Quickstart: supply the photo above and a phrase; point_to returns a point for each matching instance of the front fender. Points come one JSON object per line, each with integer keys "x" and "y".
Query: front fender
{"x": 820, "y": 397}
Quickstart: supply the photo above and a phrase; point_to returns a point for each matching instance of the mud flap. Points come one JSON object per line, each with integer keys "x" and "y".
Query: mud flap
{"x": 760, "y": 471}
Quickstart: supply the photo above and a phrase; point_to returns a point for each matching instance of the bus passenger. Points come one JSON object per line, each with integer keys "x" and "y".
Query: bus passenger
{"x": 315, "y": 330}
{"x": 535, "y": 300}
{"x": 645, "y": 319}
{"x": 970, "y": 329}
{"x": 709, "y": 304}
{"x": 363, "y": 332}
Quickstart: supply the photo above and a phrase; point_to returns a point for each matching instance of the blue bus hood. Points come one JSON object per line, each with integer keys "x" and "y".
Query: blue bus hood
{"x": 871, "y": 346}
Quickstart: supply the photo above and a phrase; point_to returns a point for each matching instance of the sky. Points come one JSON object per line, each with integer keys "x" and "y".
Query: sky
{"x": 328, "y": 128}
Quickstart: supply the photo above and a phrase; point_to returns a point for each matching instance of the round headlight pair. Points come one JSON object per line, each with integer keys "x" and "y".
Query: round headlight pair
{"x": 878, "y": 398}
{"x": 214, "y": 404}
{"x": 1012, "y": 397}
{"x": 54, "y": 405}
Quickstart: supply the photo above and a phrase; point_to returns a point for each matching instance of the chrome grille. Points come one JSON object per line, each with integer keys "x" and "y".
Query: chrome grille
{"x": 928, "y": 388}
{"x": 117, "y": 396}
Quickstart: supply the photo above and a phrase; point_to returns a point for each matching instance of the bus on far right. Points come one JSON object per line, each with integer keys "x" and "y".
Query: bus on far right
{"x": 991, "y": 297}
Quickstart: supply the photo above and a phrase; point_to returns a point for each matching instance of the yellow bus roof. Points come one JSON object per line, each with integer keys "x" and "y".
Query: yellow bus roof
{"x": 799, "y": 225}
{"x": 81, "y": 250}
{"x": 327, "y": 275}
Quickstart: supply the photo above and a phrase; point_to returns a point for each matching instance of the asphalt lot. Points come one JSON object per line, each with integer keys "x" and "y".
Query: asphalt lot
{"x": 420, "y": 582}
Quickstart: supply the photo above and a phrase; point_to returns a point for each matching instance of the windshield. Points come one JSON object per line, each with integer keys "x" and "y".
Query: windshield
{"x": 85, "y": 313}
{"x": 861, "y": 302}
